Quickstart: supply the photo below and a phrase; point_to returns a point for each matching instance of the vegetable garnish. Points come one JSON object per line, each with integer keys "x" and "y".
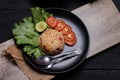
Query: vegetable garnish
{"x": 71, "y": 43}
{"x": 60, "y": 25}
{"x": 70, "y": 37}
{"x": 41, "y": 26}
{"x": 65, "y": 29}
{"x": 39, "y": 14}
{"x": 26, "y": 32}
{"x": 51, "y": 21}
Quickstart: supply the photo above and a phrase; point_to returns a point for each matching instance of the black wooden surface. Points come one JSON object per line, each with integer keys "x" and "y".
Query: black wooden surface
{"x": 103, "y": 66}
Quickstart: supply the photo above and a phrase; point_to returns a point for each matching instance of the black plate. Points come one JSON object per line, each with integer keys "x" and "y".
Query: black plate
{"x": 82, "y": 42}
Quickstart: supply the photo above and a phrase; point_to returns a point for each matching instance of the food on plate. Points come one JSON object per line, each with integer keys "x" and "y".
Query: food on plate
{"x": 51, "y": 21}
{"x": 41, "y": 26}
{"x": 39, "y": 14}
{"x": 26, "y": 35}
{"x": 65, "y": 29}
{"x": 71, "y": 43}
{"x": 70, "y": 36}
{"x": 51, "y": 41}
{"x": 42, "y": 33}
{"x": 60, "y": 25}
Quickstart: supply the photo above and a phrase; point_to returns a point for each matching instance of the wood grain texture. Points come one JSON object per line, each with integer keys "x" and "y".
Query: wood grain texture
{"x": 102, "y": 20}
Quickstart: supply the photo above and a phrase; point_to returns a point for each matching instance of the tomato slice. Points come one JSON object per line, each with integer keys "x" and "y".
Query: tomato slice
{"x": 71, "y": 43}
{"x": 51, "y": 21}
{"x": 70, "y": 36}
{"x": 67, "y": 29}
{"x": 60, "y": 25}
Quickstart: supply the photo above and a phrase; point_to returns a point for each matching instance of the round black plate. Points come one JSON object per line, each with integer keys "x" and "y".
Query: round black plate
{"x": 82, "y": 42}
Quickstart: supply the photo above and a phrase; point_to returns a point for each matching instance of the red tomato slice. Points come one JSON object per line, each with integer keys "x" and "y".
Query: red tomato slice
{"x": 60, "y": 25}
{"x": 51, "y": 21}
{"x": 70, "y": 37}
{"x": 71, "y": 43}
{"x": 66, "y": 30}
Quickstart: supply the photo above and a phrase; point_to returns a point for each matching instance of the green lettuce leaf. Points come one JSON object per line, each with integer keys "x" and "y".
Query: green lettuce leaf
{"x": 33, "y": 51}
{"x": 24, "y": 32}
{"x": 39, "y": 14}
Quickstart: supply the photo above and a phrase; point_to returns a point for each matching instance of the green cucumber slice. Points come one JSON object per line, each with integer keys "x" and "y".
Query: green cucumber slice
{"x": 41, "y": 26}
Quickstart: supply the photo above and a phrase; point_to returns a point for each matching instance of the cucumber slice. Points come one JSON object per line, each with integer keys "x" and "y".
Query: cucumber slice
{"x": 41, "y": 26}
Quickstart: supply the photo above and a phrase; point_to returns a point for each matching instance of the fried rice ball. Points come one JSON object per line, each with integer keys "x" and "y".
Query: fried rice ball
{"x": 52, "y": 42}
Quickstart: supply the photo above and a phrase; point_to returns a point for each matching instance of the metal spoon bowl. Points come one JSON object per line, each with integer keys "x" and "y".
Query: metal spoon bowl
{"x": 43, "y": 60}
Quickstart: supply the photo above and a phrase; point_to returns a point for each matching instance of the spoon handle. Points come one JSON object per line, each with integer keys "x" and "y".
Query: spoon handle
{"x": 77, "y": 51}
{"x": 68, "y": 56}
{"x": 65, "y": 57}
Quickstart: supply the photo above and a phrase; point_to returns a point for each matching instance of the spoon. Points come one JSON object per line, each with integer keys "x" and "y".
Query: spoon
{"x": 49, "y": 61}
{"x": 45, "y": 59}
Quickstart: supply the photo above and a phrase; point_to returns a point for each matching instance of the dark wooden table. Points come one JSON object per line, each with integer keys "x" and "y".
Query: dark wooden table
{"x": 104, "y": 66}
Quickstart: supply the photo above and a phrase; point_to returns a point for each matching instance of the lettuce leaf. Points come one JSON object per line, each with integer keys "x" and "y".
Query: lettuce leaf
{"x": 33, "y": 51}
{"x": 25, "y": 34}
{"x": 39, "y": 14}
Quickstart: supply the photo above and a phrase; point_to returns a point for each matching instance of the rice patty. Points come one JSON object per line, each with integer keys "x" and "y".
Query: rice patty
{"x": 52, "y": 42}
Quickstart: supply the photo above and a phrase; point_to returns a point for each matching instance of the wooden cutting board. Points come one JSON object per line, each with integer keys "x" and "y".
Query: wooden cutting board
{"x": 102, "y": 20}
